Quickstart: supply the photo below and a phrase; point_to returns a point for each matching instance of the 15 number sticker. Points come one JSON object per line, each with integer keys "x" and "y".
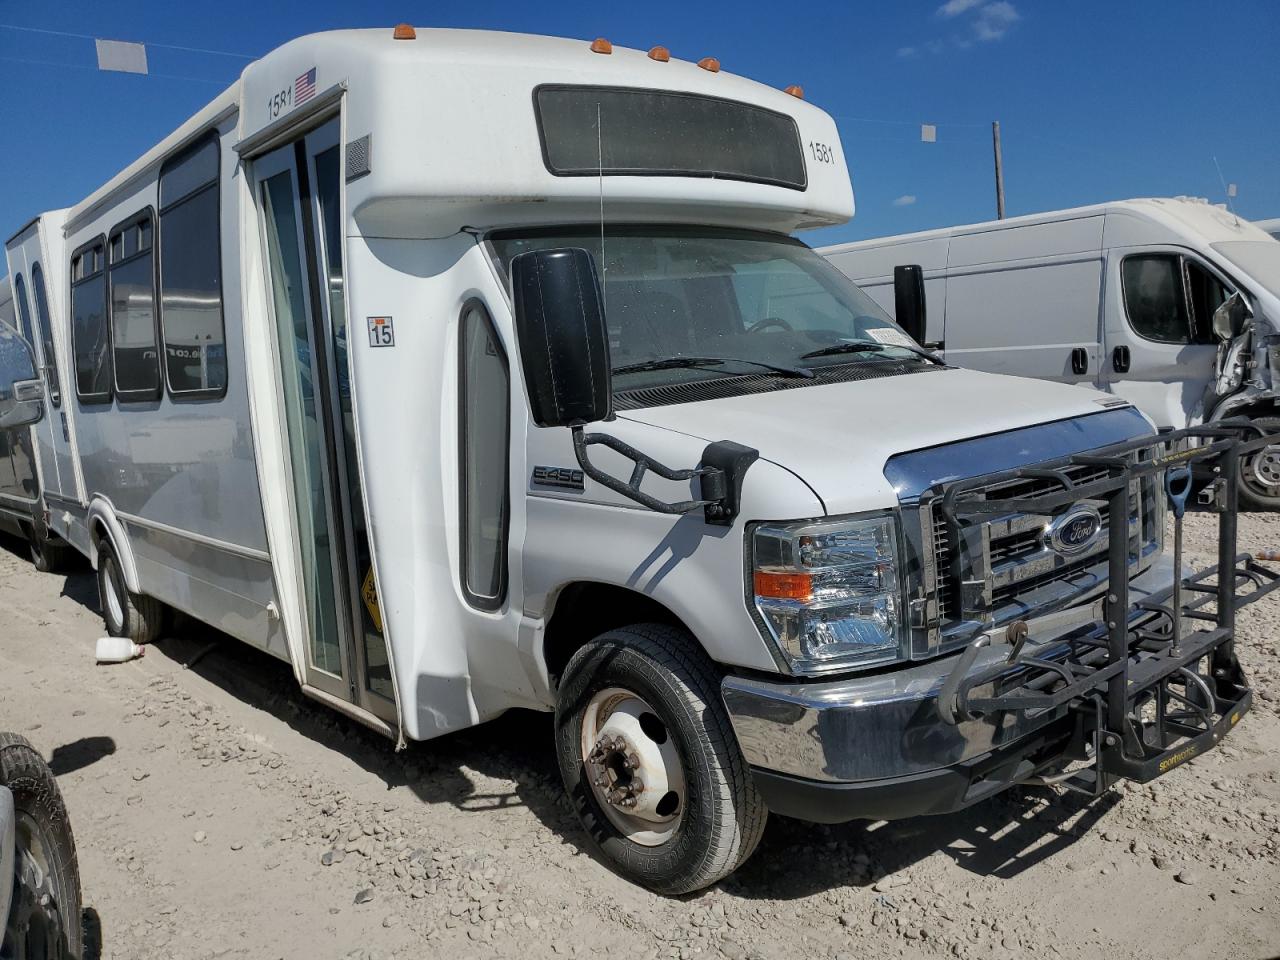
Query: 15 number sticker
{"x": 382, "y": 333}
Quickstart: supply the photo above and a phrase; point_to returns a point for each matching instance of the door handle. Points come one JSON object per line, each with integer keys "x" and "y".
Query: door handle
{"x": 1079, "y": 361}
{"x": 1120, "y": 359}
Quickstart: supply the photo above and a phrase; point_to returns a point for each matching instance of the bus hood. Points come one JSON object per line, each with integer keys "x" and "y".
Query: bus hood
{"x": 838, "y": 437}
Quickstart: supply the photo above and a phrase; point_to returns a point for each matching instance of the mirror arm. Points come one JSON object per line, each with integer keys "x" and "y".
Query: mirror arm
{"x": 721, "y": 471}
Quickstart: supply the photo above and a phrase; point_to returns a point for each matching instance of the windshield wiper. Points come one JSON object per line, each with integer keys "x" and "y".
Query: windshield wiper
{"x": 865, "y": 346}
{"x": 670, "y": 363}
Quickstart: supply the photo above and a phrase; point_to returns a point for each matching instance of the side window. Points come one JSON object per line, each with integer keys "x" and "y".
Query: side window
{"x": 90, "y": 335}
{"x": 46, "y": 337}
{"x": 191, "y": 274}
{"x": 484, "y": 411}
{"x": 132, "y": 280}
{"x": 24, "y": 308}
{"x": 1206, "y": 294}
{"x": 1154, "y": 297}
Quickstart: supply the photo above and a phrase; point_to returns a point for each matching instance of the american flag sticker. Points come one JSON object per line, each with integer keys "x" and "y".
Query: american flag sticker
{"x": 304, "y": 88}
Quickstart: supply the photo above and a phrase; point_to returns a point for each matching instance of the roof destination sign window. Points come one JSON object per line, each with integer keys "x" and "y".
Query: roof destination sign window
{"x": 665, "y": 133}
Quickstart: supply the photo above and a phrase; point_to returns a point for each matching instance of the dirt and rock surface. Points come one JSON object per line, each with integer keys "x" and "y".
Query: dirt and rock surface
{"x": 218, "y": 813}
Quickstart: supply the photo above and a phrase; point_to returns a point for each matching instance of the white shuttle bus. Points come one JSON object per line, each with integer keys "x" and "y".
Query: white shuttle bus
{"x": 468, "y": 371}
{"x": 1120, "y": 296}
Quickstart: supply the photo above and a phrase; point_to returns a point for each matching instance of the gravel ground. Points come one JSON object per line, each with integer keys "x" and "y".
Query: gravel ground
{"x": 220, "y": 814}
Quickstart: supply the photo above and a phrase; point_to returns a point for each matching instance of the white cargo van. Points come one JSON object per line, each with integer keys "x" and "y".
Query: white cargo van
{"x": 466, "y": 371}
{"x": 1269, "y": 226}
{"x": 1119, "y": 296}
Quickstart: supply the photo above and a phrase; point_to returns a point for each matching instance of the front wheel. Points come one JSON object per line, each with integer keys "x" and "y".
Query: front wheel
{"x": 1259, "y": 487}
{"x": 43, "y": 922}
{"x": 650, "y": 762}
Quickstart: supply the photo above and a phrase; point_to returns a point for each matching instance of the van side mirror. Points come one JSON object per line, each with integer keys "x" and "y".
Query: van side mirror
{"x": 1229, "y": 319}
{"x": 908, "y": 300}
{"x": 564, "y": 343}
{"x": 21, "y": 394}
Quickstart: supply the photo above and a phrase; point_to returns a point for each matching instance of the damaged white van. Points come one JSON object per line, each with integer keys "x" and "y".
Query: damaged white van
{"x": 1119, "y": 296}
{"x": 468, "y": 371}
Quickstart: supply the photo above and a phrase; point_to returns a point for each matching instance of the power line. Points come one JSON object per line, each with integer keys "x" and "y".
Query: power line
{"x": 84, "y": 66}
{"x": 164, "y": 46}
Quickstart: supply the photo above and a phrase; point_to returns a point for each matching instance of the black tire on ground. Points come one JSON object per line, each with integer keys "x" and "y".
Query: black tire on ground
{"x": 724, "y": 815}
{"x": 49, "y": 556}
{"x": 126, "y": 614}
{"x": 1254, "y": 494}
{"x": 45, "y": 860}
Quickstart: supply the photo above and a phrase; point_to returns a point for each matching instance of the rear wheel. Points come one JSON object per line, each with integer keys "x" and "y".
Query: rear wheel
{"x": 44, "y": 913}
{"x": 1259, "y": 486}
{"x": 650, "y": 761}
{"x": 126, "y": 614}
{"x": 47, "y": 555}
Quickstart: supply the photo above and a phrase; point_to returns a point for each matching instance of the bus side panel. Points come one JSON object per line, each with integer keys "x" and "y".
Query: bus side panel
{"x": 179, "y": 472}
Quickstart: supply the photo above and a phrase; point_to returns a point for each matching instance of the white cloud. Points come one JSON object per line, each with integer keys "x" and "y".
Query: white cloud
{"x": 907, "y": 51}
{"x": 953, "y": 8}
{"x": 906, "y": 200}
{"x": 995, "y": 19}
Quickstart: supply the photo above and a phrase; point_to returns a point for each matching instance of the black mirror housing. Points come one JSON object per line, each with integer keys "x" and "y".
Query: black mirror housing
{"x": 908, "y": 300}
{"x": 564, "y": 343}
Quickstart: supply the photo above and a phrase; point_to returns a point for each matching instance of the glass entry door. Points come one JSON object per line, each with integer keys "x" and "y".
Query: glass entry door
{"x": 298, "y": 189}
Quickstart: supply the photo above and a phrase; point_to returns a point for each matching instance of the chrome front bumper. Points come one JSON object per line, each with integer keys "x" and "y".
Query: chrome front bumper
{"x": 881, "y": 728}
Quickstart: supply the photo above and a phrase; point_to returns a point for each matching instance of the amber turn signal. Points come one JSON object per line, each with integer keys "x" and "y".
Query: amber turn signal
{"x": 710, "y": 63}
{"x": 661, "y": 54}
{"x": 783, "y": 586}
{"x": 601, "y": 45}
{"x": 795, "y": 90}
{"x": 404, "y": 31}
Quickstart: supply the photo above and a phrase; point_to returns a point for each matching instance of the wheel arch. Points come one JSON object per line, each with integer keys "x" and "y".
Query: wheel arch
{"x": 584, "y": 609}
{"x": 104, "y": 525}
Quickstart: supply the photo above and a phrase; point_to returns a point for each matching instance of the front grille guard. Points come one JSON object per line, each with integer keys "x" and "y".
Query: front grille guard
{"x": 1141, "y": 696}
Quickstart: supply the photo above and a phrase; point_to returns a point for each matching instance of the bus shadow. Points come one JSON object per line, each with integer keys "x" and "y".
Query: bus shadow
{"x": 509, "y": 762}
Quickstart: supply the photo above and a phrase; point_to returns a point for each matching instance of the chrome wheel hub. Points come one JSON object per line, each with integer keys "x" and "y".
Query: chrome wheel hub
{"x": 1266, "y": 466}
{"x": 632, "y": 766}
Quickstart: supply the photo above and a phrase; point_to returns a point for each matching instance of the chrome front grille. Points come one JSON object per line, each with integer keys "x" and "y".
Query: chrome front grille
{"x": 991, "y": 569}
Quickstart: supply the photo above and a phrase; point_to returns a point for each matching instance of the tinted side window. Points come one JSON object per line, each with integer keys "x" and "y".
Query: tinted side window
{"x": 484, "y": 407}
{"x": 191, "y": 274}
{"x": 24, "y": 308}
{"x": 1154, "y": 297}
{"x": 90, "y": 336}
{"x": 1206, "y": 294}
{"x": 133, "y": 310}
{"x": 46, "y": 337}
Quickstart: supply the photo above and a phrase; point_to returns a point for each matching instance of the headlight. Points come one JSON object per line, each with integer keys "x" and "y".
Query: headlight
{"x": 828, "y": 592}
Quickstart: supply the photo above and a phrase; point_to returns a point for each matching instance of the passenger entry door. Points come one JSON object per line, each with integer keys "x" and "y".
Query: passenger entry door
{"x": 298, "y": 192}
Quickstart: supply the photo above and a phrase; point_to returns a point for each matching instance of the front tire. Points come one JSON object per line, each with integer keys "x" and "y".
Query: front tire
{"x": 43, "y": 919}
{"x": 638, "y": 708}
{"x": 1259, "y": 481}
{"x": 126, "y": 614}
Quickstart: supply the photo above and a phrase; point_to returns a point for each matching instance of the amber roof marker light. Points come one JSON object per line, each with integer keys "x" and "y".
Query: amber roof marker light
{"x": 601, "y": 45}
{"x": 795, "y": 90}
{"x": 661, "y": 54}
{"x": 404, "y": 31}
{"x": 710, "y": 63}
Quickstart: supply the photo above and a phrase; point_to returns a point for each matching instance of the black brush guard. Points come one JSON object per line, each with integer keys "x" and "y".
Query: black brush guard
{"x": 1139, "y": 697}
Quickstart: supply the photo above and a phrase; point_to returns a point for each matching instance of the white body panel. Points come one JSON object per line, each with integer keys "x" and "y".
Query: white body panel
{"x": 1020, "y": 295}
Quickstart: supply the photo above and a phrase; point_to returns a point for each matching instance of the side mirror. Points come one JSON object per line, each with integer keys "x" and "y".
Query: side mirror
{"x": 20, "y": 392}
{"x": 1229, "y": 319}
{"x": 908, "y": 300}
{"x": 564, "y": 343}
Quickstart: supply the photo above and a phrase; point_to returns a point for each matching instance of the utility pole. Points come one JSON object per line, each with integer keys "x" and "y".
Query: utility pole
{"x": 995, "y": 144}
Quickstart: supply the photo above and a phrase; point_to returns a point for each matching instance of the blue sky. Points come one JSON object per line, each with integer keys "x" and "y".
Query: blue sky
{"x": 1097, "y": 100}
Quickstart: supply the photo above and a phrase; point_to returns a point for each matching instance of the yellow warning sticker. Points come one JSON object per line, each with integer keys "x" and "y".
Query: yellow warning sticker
{"x": 369, "y": 594}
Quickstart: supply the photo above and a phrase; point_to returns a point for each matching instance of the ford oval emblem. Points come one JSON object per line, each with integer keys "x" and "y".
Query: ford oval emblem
{"x": 1075, "y": 531}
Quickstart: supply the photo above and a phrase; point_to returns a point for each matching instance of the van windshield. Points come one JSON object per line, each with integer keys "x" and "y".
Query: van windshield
{"x": 1260, "y": 259}
{"x": 752, "y": 299}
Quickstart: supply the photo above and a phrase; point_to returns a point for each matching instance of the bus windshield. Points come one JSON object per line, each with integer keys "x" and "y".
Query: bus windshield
{"x": 753, "y": 299}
